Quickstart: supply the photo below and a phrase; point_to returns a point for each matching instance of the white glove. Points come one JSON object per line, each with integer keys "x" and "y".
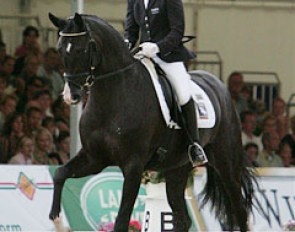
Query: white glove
{"x": 149, "y": 49}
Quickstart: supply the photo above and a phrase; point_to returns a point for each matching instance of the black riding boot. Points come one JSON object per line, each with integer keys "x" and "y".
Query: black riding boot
{"x": 196, "y": 153}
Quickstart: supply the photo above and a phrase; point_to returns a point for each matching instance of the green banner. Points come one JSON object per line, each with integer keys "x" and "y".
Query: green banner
{"x": 92, "y": 201}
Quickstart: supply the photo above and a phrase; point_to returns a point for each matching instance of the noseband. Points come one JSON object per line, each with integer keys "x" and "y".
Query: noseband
{"x": 94, "y": 61}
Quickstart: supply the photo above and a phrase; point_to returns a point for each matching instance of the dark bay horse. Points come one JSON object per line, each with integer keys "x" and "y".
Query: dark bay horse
{"x": 121, "y": 125}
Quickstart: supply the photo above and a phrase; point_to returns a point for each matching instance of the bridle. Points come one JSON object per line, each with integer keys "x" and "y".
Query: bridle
{"x": 94, "y": 61}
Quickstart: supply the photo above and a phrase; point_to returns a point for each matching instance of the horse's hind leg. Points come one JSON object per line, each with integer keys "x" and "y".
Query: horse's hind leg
{"x": 176, "y": 181}
{"x": 132, "y": 178}
{"x": 77, "y": 167}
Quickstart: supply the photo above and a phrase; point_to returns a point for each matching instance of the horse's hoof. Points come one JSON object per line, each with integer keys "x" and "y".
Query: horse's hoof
{"x": 59, "y": 226}
{"x": 53, "y": 216}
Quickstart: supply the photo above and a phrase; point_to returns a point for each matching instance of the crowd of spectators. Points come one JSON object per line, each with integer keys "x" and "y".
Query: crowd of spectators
{"x": 268, "y": 137}
{"x": 34, "y": 120}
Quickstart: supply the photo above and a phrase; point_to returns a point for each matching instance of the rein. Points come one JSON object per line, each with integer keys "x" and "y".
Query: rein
{"x": 90, "y": 80}
{"x": 90, "y": 77}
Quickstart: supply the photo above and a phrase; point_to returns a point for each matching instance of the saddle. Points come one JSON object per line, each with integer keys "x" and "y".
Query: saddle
{"x": 169, "y": 94}
{"x": 168, "y": 101}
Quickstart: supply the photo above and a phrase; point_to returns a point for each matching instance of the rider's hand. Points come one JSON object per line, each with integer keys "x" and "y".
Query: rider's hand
{"x": 149, "y": 49}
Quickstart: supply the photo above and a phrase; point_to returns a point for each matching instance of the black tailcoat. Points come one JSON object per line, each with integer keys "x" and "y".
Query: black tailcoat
{"x": 162, "y": 23}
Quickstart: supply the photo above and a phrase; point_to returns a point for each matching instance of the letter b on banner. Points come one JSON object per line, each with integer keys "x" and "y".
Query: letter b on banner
{"x": 167, "y": 222}
{"x": 157, "y": 217}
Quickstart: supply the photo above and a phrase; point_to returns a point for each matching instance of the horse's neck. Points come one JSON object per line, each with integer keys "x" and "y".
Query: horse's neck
{"x": 132, "y": 78}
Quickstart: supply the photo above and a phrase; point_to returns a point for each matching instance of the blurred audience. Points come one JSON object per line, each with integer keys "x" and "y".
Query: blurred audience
{"x": 285, "y": 153}
{"x": 7, "y": 67}
{"x": 290, "y": 138}
{"x": 3, "y": 85}
{"x": 252, "y": 150}
{"x": 48, "y": 70}
{"x": 268, "y": 157}
{"x": 7, "y": 106}
{"x": 34, "y": 118}
{"x": 3, "y": 53}
{"x": 235, "y": 85}
{"x": 248, "y": 121}
{"x": 50, "y": 124}
{"x": 13, "y": 130}
{"x": 279, "y": 112}
{"x": 63, "y": 146}
{"x": 269, "y": 124}
{"x": 24, "y": 151}
{"x": 43, "y": 100}
{"x": 44, "y": 146}
{"x": 30, "y": 46}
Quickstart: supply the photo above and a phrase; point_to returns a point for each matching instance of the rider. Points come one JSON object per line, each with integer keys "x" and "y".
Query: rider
{"x": 161, "y": 26}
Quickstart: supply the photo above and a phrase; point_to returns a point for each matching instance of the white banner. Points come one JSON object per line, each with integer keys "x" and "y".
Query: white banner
{"x": 274, "y": 202}
{"x": 26, "y": 195}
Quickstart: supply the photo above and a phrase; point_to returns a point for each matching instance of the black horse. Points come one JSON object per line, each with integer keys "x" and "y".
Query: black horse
{"x": 122, "y": 125}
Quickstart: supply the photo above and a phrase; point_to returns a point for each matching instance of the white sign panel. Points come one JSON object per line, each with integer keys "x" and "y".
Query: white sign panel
{"x": 274, "y": 201}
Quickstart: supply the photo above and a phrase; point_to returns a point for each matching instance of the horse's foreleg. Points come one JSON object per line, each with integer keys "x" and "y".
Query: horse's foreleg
{"x": 77, "y": 167}
{"x": 132, "y": 179}
{"x": 175, "y": 188}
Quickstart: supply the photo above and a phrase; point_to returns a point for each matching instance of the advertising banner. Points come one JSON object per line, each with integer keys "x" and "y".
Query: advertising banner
{"x": 25, "y": 198}
{"x": 274, "y": 200}
{"x": 91, "y": 202}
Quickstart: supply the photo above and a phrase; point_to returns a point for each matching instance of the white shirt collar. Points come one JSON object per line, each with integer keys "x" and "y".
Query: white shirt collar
{"x": 146, "y": 2}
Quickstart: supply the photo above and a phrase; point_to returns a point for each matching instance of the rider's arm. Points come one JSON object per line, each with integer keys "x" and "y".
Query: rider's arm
{"x": 175, "y": 16}
{"x": 131, "y": 27}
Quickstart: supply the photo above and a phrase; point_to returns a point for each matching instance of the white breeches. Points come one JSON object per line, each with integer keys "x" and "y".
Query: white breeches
{"x": 178, "y": 77}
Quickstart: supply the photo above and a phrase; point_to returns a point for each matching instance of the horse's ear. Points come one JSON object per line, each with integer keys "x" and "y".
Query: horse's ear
{"x": 59, "y": 23}
{"x": 79, "y": 21}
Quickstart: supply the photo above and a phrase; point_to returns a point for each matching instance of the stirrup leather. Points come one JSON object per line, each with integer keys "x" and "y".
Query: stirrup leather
{"x": 197, "y": 155}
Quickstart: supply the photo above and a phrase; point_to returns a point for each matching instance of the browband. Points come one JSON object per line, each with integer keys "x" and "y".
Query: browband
{"x": 73, "y": 34}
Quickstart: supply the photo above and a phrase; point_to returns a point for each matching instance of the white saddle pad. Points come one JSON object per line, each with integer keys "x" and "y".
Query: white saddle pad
{"x": 204, "y": 108}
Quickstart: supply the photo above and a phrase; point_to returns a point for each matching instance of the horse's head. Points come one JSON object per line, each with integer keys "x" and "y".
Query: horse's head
{"x": 80, "y": 53}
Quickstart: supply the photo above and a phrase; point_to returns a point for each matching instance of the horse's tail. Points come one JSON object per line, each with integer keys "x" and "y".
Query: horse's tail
{"x": 217, "y": 194}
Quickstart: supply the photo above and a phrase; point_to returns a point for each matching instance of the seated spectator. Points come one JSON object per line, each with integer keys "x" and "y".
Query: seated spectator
{"x": 24, "y": 151}
{"x": 7, "y": 106}
{"x": 3, "y": 85}
{"x": 3, "y": 53}
{"x": 7, "y": 66}
{"x": 290, "y": 138}
{"x": 49, "y": 123}
{"x": 31, "y": 66}
{"x": 269, "y": 157}
{"x": 269, "y": 124}
{"x": 13, "y": 130}
{"x": 235, "y": 85}
{"x": 285, "y": 153}
{"x": 248, "y": 121}
{"x": 43, "y": 146}
{"x": 29, "y": 46}
{"x": 251, "y": 150}
{"x": 60, "y": 109}
{"x": 36, "y": 84}
{"x": 44, "y": 100}
{"x": 63, "y": 146}
{"x": 62, "y": 124}
{"x": 48, "y": 71}
{"x": 34, "y": 117}
{"x": 258, "y": 107}
{"x": 279, "y": 111}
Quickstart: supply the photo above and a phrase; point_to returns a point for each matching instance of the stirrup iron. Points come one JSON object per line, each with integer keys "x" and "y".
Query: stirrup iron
{"x": 197, "y": 155}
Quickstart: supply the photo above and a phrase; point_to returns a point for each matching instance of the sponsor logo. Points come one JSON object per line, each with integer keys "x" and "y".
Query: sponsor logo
{"x": 101, "y": 197}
